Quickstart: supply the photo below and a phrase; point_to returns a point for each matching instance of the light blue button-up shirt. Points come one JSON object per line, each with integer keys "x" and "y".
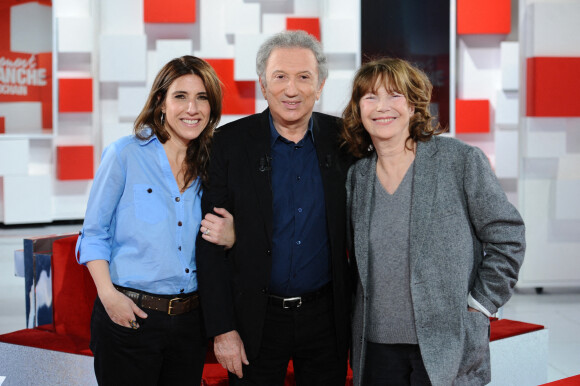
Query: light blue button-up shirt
{"x": 138, "y": 220}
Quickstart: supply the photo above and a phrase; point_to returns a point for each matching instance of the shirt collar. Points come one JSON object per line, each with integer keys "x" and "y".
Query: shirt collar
{"x": 274, "y": 135}
{"x": 147, "y": 131}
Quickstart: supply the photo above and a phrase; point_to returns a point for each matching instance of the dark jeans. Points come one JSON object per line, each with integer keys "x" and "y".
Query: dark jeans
{"x": 394, "y": 364}
{"x": 164, "y": 350}
{"x": 305, "y": 334}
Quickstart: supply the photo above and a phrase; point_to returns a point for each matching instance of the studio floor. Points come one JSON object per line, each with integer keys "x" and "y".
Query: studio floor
{"x": 558, "y": 309}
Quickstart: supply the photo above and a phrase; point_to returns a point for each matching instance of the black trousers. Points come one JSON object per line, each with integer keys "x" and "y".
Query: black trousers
{"x": 164, "y": 350}
{"x": 307, "y": 336}
{"x": 394, "y": 365}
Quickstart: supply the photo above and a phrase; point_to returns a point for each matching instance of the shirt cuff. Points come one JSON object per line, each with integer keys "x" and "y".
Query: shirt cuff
{"x": 475, "y": 304}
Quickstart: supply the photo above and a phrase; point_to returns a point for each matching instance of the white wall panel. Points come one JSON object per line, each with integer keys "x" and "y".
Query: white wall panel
{"x": 31, "y": 28}
{"x": 168, "y": 49}
{"x": 478, "y": 70}
{"x": 113, "y": 131}
{"x": 246, "y": 48}
{"x": 242, "y": 18}
{"x": 506, "y": 153}
{"x": 14, "y": 156}
{"x": 75, "y": 34}
{"x": 507, "y": 109}
{"x": 22, "y": 117}
{"x": 123, "y": 58}
{"x": 510, "y": 65}
{"x": 306, "y": 8}
{"x": 70, "y": 198}
{"x": 569, "y": 168}
{"x": 543, "y": 144}
{"x": 71, "y": 8}
{"x": 339, "y": 35}
{"x": 340, "y": 9}
{"x": 213, "y": 40}
{"x": 336, "y": 91}
{"x": 552, "y": 29}
{"x": 566, "y": 199}
{"x": 121, "y": 17}
{"x": 273, "y": 23}
{"x": 27, "y": 199}
{"x": 131, "y": 101}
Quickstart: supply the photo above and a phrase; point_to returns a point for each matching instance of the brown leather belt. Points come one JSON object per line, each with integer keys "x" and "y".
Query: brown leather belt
{"x": 173, "y": 306}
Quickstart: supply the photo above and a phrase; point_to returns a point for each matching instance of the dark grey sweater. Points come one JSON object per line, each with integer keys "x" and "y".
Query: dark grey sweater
{"x": 391, "y": 310}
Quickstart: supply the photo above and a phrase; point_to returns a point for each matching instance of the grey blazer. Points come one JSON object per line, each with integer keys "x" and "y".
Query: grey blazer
{"x": 464, "y": 237}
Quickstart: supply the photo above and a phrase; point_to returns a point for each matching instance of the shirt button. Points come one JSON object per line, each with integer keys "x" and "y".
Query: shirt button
{"x": 268, "y": 252}
{"x": 179, "y": 247}
{"x": 298, "y": 178}
{"x": 177, "y": 199}
{"x": 149, "y": 190}
{"x": 298, "y": 242}
{"x": 299, "y": 210}
{"x": 186, "y": 270}
{"x": 182, "y": 290}
{"x": 179, "y": 223}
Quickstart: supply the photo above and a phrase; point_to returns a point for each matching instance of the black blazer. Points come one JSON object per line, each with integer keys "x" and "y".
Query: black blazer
{"x": 233, "y": 285}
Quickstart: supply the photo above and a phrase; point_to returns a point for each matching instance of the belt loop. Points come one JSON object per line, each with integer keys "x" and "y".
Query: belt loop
{"x": 140, "y": 300}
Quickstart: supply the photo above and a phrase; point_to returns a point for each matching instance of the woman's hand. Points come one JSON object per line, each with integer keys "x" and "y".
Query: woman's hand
{"x": 121, "y": 309}
{"x": 219, "y": 230}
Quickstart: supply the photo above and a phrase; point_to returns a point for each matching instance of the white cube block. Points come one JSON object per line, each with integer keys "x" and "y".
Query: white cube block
{"x": 478, "y": 74}
{"x": 336, "y": 92}
{"x": 246, "y": 48}
{"x": 506, "y": 154}
{"x": 214, "y": 42}
{"x": 540, "y": 168}
{"x": 566, "y": 200}
{"x": 27, "y": 199}
{"x": 510, "y": 65}
{"x": 507, "y": 109}
{"x": 31, "y": 28}
{"x": 569, "y": 167}
{"x": 131, "y": 101}
{"x": 169, "y": 49}
{"x": 122, "y": 17}
{"x": 242, "y": 18}
{"x": 545, "y": 144}
{"x": 573, "y": 135}
{"x": 14, "y": 156}
{"x": 273, "y": 23}
{"x": 123, "y": 58}
{"x": 340, "y": 35}
{"x": 306, "y": 8}
{"x": 545, "y": 124}
{"x": 41, "y": 157}
{"x": 340, "y": 9}
{"x": 70, "y": 198}
{"x": 75, "y": 34}
{"x": 71, "y": 8}
{"x": 22, "y": 117}
{"x": 552, "y": 29}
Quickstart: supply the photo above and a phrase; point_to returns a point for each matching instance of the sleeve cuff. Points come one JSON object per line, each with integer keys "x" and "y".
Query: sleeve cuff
{"x": 475, "y": 304}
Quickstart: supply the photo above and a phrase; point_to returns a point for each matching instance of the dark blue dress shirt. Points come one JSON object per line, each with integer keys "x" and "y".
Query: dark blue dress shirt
{"x": 300, "y": 248}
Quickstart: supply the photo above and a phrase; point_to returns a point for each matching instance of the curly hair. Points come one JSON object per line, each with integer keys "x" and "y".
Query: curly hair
{"x": 198, "y": 150}
{"x": 396, "y": 75}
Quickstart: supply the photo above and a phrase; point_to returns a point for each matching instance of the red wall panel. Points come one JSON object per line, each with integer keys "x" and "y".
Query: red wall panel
{"x": 308, "y": 24}
{"x": 2, "y": 125}
{"x": 74, "y": 162}
{"x": 239, "y": 97}
{"x": 552, "y": 85}
{"x": 483, "y": 17}
{"x": 75, "y": 95}
{"x": 471, "y": 116}
{"x": 169, "y": 11}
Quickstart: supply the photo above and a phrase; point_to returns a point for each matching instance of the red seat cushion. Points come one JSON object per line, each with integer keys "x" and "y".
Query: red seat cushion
{"x": 504, "y": 328}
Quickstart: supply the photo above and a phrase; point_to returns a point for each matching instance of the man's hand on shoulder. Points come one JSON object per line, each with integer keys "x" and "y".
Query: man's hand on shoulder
{"x": 230, "y": 353}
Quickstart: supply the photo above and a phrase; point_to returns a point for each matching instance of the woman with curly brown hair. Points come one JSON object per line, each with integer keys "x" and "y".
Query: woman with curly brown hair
{"x": 435, "y": 243}
{"x": 138, "y": 237}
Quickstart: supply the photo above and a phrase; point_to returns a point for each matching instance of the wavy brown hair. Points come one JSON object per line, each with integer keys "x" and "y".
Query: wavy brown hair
{"x": 198, "y": 150}
{"x": 397, "y": 75}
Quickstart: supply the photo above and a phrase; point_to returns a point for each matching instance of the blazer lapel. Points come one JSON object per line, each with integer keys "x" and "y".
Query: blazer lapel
{"x": 424, "y": 188}
{"x": 259, "y": 150}
{"x": 366, "y": 179}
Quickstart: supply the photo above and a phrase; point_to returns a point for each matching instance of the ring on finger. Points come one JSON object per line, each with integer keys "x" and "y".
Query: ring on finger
{"x": 133, "y": 324}
{"x": 206, "y": 232}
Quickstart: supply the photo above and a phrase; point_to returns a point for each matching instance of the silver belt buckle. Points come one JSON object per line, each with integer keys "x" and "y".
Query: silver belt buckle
{"x": 291, "y": 300}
